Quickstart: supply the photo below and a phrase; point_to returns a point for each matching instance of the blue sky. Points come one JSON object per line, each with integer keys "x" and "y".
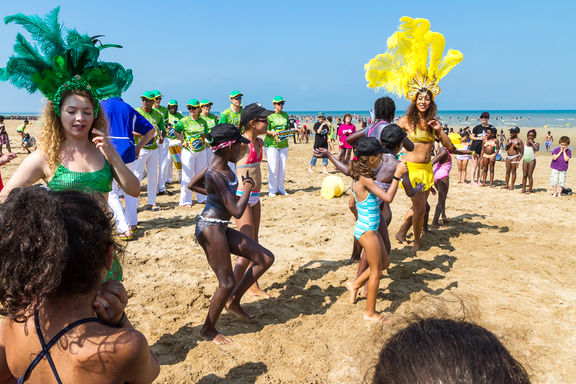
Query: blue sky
{"x": 517, "y": 54}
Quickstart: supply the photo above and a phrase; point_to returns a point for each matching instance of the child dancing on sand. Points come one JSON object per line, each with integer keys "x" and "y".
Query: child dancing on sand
{"x": 368, "y": 156}
{"x": 442, "y": 164}
{"x": 529, "y": 161}
{"x": 488, "y": 156}
{"x": 514, "y": 152}
{"x": 462, "y": 160}
{"x": 253, "y": 121}
{"x": 559, "y": 165}
{"x": 218, "y": 241}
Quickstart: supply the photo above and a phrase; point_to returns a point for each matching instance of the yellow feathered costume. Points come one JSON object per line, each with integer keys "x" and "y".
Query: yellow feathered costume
{"x": 413, "y": 62}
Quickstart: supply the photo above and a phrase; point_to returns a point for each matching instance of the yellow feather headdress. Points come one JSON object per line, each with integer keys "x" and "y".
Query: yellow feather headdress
{"x": 413, "y": 62}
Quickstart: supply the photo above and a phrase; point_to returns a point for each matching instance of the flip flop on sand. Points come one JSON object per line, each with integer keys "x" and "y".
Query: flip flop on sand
{"x": 153, "y": 208}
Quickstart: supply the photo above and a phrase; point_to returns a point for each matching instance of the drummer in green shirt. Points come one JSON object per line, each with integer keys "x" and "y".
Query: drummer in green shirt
{"x": 175, "y": 147}
{"x": 210, "y": 119}
{"x": 191, "y": 131}
{"x": 163, "y": 152}
{"x": 148, "y": 157}
{"x": 276, "y": 147}
{"x": 232, "y": 114}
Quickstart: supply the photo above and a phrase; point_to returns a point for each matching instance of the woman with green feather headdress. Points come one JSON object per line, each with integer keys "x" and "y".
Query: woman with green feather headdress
{"x": 74, "y": 154}
{"x": 64, "y": 66}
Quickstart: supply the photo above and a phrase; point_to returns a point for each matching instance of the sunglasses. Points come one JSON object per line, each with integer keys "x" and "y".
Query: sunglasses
{"x": 159, "y": 98}
{"x": 192, "y": 108}
{"x": 261, "y": 119}
{"x": 280, "y": 103}
{"x": 237, "y": 98}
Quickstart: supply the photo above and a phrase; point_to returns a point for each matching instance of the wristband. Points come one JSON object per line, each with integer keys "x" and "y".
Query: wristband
{"x": 120, "y": 322}
{"x": 397, "y": 178}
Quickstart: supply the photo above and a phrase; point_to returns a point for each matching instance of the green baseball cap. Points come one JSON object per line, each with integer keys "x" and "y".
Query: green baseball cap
{"x": 148, "y": 95}
{"x": 278, "y": 99}
{"x": 235, "y": 94}
{"x": 173, "y": 102}
{"x": 193, "y": 103}
{"x": 206, "y": 102}
{"x": 156, "y": 93}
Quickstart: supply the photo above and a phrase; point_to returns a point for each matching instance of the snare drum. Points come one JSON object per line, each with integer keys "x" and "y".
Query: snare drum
{"x": 175, "y": 151}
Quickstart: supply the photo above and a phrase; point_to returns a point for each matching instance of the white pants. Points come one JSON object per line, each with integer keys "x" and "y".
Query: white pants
{"x": 148, "y": 158}
{"x": 276, "y": 159}
{"x": 120, "y": 216}
{"x": 164, "y": 161}
{"x": 192, "y": 164}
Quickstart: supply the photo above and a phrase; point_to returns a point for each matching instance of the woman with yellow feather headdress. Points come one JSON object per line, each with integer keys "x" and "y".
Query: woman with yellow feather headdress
{"x": 412, "y": 67}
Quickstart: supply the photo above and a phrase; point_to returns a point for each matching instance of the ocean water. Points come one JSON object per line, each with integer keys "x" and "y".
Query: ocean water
{"x": 500, "y": 119}
{"x": 456, "y": 119}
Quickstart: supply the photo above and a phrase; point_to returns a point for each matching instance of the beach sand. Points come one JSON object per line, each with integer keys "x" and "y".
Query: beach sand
{"x": 503, "y": 261}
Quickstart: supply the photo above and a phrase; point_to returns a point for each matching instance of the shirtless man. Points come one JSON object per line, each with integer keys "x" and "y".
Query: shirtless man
{"x": 514, "y": 152}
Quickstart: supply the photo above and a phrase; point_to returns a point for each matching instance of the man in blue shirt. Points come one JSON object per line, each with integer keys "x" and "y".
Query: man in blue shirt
{"x": 124, "y": 122}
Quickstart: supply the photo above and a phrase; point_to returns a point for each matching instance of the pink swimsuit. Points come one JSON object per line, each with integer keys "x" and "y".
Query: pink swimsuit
{"x": 442, "y": 170}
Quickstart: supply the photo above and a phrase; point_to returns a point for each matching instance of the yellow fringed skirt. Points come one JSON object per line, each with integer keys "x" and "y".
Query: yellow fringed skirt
{"x": 421, "y": 174}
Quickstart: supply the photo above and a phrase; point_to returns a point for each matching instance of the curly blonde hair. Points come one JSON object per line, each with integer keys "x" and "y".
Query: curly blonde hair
{"x": 52, "y": 134}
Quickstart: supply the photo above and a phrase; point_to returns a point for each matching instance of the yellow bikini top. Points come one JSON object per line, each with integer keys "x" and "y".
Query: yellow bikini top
{"x": 421, "y": 136}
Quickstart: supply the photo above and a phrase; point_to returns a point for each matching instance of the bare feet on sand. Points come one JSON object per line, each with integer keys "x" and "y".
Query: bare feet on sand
{"x": 353, "y": 292}
{"x": 239, "y": 312}
{"x": 400, "y": 237}
{"x": 258, "y": 292}
{"x": 416, "y": 246}
{"x": 372, "y": 317}
{"x": 214, "y": 336}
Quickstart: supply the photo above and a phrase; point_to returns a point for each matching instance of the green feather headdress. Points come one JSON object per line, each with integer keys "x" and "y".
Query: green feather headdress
{"x": 59, "y": 63}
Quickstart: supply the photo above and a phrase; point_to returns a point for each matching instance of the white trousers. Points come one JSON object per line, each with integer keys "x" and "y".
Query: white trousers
{"x": 192, "y": 164}
{"x": 164, "y": 161}
{"x": 148, "y": 158}
{"x": 276, "y": 159}
{"x": 120, "y": 215}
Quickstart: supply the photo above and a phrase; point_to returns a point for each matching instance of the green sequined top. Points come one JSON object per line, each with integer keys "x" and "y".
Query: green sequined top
{"x": 89, "y": 182}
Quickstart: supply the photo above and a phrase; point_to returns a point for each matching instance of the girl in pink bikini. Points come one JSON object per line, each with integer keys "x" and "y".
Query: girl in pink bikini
{"x": 253, "y": 121}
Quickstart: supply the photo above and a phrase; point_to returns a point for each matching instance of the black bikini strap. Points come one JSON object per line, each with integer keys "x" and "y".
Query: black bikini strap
{"x": 46, "y": 347}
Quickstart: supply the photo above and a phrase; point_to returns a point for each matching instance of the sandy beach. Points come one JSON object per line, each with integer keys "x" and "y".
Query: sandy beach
{"x": 503, "y": 261}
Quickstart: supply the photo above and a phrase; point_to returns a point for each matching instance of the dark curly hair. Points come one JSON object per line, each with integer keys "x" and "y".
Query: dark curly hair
{"x": 447, "y": 351}
{"x": 384, "y": 109}
{"x": 53, "y": 244}
{"x": 413, "y": 115}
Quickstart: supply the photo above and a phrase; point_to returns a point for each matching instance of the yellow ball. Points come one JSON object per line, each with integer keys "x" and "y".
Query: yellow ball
{"x": 332, "y": 186}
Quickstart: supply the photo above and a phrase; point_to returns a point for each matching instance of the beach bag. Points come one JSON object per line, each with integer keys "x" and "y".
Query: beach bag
{"x": 566, "y": 192}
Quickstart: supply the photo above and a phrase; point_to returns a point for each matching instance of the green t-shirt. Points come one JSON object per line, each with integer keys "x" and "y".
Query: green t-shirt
{"x": 277, "y": 122}
{"x": 194, "y": 131}
{"x": 231, "y": 117}
{"x": 163, "y": 110}
{"x": 22, "y": 128}
{"x": 173, "y": 120}
{"x": 157, "y": 120}
{"x": 210, "y": 121}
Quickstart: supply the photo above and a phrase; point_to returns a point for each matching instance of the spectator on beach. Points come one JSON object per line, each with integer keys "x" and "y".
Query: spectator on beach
{"x": 529, "y": 160}
{"x": 559, "y": 165}
{"x": 321, "y": 130}
{"x": 62, "y": 322}
{"x": 478, "y": 133}
{"x": 548, "y": 140}
{"x": 514, "y": 152}
{"x": 4, "y": 139}
{"x": 345, "y": 130}
{"x": 21, "y": 130}
{"x": 448, "y": 352}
